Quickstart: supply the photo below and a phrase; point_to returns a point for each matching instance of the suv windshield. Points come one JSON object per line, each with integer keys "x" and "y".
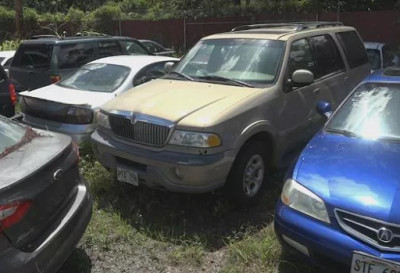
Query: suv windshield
{"x": 97, "y": 77}
{"x": 254, "y": 62}
{"x": 371, "y": 112}
{"x": 12, "y": 136}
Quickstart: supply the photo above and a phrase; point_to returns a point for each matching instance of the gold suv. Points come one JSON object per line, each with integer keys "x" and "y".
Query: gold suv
{"x": 237, "y": 105}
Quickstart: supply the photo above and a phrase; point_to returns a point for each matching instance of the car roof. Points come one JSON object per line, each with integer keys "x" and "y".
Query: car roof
{"x": 373, "y": 45}
{"x": 135, "y": 62}
{"x": 281, "y": 31}
{"x": 391, "y": 74}
{"x": 75, "y": 39}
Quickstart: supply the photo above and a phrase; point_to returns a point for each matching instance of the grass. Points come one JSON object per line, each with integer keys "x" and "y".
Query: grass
{"x": 135, "y": 229}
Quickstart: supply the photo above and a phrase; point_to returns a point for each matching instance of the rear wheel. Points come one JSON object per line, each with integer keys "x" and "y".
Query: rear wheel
{"x": 249, "y": 172}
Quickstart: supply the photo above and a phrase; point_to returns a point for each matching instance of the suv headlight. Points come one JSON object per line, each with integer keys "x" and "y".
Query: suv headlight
{"x": 103, "y": 120}
{"x": 300, "y": 198}
{"x": 195, "y": 139}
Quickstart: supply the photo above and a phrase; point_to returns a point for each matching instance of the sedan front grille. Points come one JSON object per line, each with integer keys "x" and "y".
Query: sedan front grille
{"x": 380, "y": 234}
{"x": 139, "y": 131}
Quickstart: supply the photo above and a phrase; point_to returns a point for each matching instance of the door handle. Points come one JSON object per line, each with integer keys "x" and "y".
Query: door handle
{"x": 316, "y": 91}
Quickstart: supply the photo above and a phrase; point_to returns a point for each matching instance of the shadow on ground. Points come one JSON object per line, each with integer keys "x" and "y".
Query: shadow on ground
{"x": 208, "y": 217}
{"x": 78, "y": 262}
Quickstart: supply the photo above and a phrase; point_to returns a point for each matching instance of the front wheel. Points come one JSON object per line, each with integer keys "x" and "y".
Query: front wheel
{"x": 248, "y": 175}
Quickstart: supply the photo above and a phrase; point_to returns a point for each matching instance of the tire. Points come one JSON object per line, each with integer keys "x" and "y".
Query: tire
{"x": 248, "y": 176}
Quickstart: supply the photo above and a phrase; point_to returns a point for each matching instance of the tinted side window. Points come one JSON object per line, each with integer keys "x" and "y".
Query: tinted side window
{"x": 75, "y": 55}
{"x": 326, "y": 55}
{"x": 301, "y": 57}
{"x": 110, "y": 48}
{"x": 149, "y": 73}
{"x": 33, "y": 57}
{"x": 353, "y": 47}
{"x": 133, "y": 48}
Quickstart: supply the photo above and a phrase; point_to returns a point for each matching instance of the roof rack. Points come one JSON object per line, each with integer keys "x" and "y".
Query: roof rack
{"x": 295, "y": 26}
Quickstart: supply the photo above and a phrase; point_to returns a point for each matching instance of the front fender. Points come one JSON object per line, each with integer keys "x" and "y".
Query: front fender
{"x": 261, "y": 126}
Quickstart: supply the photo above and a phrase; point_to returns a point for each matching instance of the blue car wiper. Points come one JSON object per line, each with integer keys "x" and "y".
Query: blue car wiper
{"x": 342, "y": 132}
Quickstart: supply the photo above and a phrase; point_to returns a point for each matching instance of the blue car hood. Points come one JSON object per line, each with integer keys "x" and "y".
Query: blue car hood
{"x": 362, "y": 176}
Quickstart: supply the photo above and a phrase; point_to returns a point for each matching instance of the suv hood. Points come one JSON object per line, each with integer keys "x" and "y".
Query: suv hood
{"x": 356, "y": 175}
{"x": 178, "y": 101}
{"x": 64, "y": 95}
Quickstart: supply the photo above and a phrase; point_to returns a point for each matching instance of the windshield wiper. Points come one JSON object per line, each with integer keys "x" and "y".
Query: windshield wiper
{"x": 223, "y": 79}
{"x": 343, "y": 132}
{"x": 180, "y": 75}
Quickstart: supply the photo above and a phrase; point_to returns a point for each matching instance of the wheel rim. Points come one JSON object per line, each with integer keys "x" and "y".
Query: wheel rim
{"x": 253, "y": 175}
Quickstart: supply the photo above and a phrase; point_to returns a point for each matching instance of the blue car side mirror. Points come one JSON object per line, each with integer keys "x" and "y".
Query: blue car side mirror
{"x": 324, "y": 108}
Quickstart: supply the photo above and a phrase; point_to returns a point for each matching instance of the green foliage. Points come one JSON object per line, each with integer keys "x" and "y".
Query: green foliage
{"x": 104, "y": 16}
{"x": 9, "y": 45}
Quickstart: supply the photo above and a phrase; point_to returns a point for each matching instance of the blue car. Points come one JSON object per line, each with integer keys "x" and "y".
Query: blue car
{"x": 341, "y": 200}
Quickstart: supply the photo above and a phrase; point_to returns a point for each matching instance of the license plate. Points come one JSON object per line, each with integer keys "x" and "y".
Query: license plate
{"x": 364, "y": 263}
{"x": 127, "y": 176}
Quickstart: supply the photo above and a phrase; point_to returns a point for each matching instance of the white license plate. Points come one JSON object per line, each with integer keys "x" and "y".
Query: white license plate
{"x": 364, "y": 263}
{"x": 127, "y": 176}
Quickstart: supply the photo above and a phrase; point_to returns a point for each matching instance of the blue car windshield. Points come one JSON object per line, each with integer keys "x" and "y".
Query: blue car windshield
{"x": 371, "y": 112}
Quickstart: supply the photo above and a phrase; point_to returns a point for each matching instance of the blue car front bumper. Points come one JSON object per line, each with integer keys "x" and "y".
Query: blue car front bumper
{"x": 324, "y": 242}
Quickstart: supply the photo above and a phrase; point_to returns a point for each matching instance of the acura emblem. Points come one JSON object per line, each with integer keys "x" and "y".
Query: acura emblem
{"x": 385, "y": 235}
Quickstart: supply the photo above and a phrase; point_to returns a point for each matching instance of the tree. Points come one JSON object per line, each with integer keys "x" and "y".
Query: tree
{"x": 19, "y": 17}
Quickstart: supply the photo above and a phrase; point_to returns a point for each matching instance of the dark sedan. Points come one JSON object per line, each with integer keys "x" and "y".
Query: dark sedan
{"x": 45, "y": 205}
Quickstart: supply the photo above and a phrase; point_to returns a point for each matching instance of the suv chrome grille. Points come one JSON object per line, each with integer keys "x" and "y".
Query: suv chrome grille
{"x": 383, "y": 235}
{"x": 139, "y": 131}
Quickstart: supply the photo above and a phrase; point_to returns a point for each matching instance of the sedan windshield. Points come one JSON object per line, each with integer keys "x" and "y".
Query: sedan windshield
{"x": 11, "y": 135}
{"x": 371, "y": 112}
{"x": 97, "y": 77}
{"x": 243, "y": 62}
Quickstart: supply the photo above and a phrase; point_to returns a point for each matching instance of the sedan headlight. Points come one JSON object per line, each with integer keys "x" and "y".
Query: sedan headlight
{"x": 103, "y": 120}
{"x": 195, "y": 139}
{"x": 302, "y": 199}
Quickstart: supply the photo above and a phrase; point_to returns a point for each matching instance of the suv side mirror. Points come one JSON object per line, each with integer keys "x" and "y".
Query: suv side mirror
{"x": 168, "y": 67}
{"x": 302, "y": 77}
{"x": 324, "y": 108}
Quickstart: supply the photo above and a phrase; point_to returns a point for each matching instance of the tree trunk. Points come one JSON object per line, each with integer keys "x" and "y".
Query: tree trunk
{"x": 18, "y": 17}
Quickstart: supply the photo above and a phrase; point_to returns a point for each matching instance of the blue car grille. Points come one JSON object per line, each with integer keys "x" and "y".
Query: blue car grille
{"x": 380, "y": 234}
{"x": 141, "y": 132}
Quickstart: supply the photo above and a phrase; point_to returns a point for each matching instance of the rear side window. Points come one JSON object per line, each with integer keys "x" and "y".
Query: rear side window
{"x": 33, "y": 57}
{"x": 75, "y": 55}
{"x": 326, "y": 55}
{"x": 353, "y": 47}
{"x": 110, "y": 48}
{"x": 3, "y": 77}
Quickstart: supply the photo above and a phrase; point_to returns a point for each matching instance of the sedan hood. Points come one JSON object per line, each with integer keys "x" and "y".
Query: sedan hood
{"x": 357, "y": 175}
{"x": 176, "y": 100}
{"x": 64, "y": 95}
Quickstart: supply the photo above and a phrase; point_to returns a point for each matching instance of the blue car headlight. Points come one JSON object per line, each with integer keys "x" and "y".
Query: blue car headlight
{"x": 302, "y": 199}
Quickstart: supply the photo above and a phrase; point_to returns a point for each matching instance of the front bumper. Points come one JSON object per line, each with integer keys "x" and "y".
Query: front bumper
{"x": 177, "y": 172}
{"x": 324, "y": 242}
{"x": 78, "y": 132}
{"x": 53, "y": 252}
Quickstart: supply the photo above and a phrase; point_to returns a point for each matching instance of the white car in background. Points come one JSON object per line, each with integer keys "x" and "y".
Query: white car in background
{"x": 6, "y": 58}
{"x": 70, "y": 106}
{"x": 380, "y": 55}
